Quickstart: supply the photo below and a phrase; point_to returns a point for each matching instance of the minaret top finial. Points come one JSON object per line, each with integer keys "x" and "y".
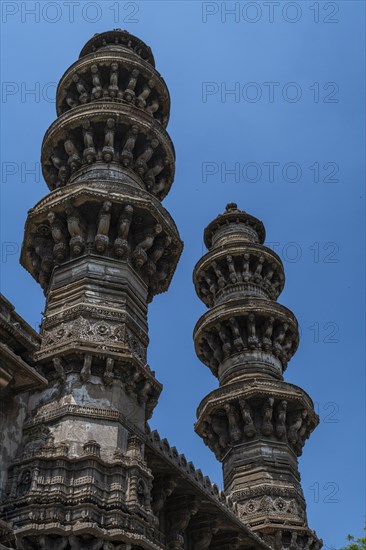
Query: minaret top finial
{"x": 232, "y": 206}
{"x": 233, "y": 221}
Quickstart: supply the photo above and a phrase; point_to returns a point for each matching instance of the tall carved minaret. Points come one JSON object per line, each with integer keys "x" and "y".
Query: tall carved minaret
{"x": 101, "y": 246}
{"x": 255, "y": 423}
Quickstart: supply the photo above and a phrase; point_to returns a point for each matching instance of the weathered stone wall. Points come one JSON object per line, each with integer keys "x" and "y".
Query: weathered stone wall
{"x": 13, "y": 411}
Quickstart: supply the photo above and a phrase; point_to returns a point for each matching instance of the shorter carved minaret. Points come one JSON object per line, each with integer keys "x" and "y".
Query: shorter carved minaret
{"x": 255, "y": 423}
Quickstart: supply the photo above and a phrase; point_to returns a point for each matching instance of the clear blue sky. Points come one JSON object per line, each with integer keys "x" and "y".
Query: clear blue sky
{"x": 300, "y": 152}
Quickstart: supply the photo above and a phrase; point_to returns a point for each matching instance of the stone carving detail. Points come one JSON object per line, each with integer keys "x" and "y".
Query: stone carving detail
{"x": 267, "y": 412}
{"x": 94, "y": 482}
{"x": 58, "y": 232}
{"x": 248, "y": 425}
{"x": 108, "y": 149}
{"x": 279, "y": 507}
{"x": 135, "y": 346}
{"x": 77, "y": 230}
{"x": 149, "y": 156}
{"x": 94, "y": 332}
{"x": 41, "y": 255}
{"x": 113, "y": 89}
{"x": 85, "y": 373}
{"x": 162, "y": 488}
{"x": 24, "y": 483}
{"x": 84, "y": 329}
{"x": 97, "y": 90}
{"x": 128, "y": 147}
{"x": 104, "y": 220}
{"x": 178, "y": 520}
{"x": 129, "y": 94}
{"x": 81, "y": 89}
{"x": 139, "y": 255}
{"x": 121, "y": 246}
{"x": 91, "y": 448}
{"x": 114, "y": 232}
{"x": 202, "y": 538}
{"x": 108, "y": 81}
{"x": 89, "y": 152}
{"x": 281, "y": 431}
{"x": 251, "y": 332}
{"x": 235, "y": 422}
{"x": 295, "y": 540}
{"x": 108, "y": 375}
{"x": 73, "y": 157}
{"x": 59, "y": 369}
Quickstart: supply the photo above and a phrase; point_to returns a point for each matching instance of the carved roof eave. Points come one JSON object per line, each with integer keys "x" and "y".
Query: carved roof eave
{"x": 6, "y": 534}
{"x": 255, "y": 388}
{"x": 121, "y": 111}
{"x": 24, "y": 377}
{"x": 206, "y": 491}
{"x": 90, "y": 190}
{"x": 127, "y": 57}
{"x": 16, "y": 327}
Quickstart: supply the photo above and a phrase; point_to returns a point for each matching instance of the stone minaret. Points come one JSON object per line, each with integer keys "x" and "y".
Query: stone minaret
{"x": 255, "y": 423}
{"x": 101, "y": 246}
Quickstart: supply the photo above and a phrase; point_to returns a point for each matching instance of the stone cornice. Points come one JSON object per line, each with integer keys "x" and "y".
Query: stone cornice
{"x": 17, "y": 327}
{"x": 22, "y": 376}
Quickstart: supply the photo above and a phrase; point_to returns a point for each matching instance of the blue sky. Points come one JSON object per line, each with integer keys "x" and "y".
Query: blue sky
{"x": 287, "y": 145}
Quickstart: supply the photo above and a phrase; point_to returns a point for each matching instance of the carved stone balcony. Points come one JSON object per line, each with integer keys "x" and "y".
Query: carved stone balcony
{"x": 114, "y": 76}
{"x": 107, "y": 219}
{"x": 118, "y": 141}
{"x": 242, "y": 337}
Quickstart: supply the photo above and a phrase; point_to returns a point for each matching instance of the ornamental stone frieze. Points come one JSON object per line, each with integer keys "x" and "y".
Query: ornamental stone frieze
{"x": 255, "y": 423}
